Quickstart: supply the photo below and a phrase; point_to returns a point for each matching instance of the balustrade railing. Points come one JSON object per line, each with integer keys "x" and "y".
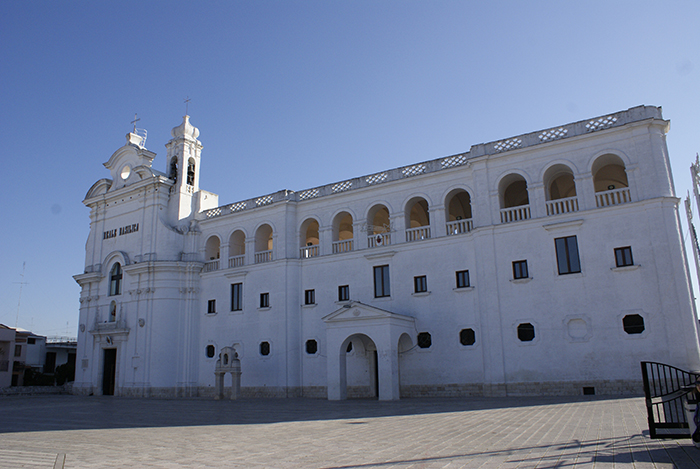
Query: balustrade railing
{"x": 309, "y": 251}
{"x": 416, "y": 234}
{"x": 508, "y": 215}
{"x": 459, "y": 226}
{"x": 236, "y": 261}
{"x": 613, "y": 197}
{"x": 211, "y": 265}
{"x": 263, "y": 256}
{"x": 567, "y": 205}
{"x": 515, "y": 213}
{"x": 342, "y": 246}
{"x": 380, "y": 239}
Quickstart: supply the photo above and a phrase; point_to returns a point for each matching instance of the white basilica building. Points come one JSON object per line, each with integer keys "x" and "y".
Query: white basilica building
{"x": 547, "y": 263}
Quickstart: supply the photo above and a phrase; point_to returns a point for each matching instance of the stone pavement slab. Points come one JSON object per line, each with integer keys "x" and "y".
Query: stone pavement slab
{"x": 485, "y": 433}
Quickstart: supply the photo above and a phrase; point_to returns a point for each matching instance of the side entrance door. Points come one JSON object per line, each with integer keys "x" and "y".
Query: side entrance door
{"x": 110, "y": 369}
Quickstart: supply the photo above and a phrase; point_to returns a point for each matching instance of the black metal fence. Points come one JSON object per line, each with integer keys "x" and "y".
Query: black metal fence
{"x": 665, "y": 387}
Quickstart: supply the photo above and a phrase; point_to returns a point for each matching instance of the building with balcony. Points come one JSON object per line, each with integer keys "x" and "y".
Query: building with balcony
{"x": 547, "y": 263}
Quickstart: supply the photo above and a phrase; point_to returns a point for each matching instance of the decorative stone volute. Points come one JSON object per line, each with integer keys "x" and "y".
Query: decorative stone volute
{"x": 185, "y": 129}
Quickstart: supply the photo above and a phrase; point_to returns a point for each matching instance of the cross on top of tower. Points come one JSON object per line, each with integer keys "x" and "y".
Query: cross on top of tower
{"x": 187, "y": 104}
{"x": 135, "y": 121}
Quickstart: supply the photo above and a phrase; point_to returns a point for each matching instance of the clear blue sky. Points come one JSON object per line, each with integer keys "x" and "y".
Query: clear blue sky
{"x": 292, "y": 95}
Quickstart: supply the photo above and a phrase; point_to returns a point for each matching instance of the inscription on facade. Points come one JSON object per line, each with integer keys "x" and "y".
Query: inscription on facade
{"x": 120, "y": 231}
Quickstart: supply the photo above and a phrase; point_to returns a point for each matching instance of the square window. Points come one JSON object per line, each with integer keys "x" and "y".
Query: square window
{"x": 264, "y": 300}
{"x": 567, "y": 255}
{"x": 623, "y": 256}
{"x": 381, "y": 281}
{"x": 237, "y": 297}
{"x": 520, "y": 269}
{"x": 420, "y": 284}
{"x": 462, "y": 279}
{"x": 526, "y": 332}
{"x": 344, "y": 293}
{"x": 211, "y": 307}
{"x": 310, "y": 297}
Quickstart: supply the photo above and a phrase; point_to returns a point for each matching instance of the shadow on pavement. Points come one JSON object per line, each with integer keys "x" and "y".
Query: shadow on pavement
{"x": 65, "y": 412}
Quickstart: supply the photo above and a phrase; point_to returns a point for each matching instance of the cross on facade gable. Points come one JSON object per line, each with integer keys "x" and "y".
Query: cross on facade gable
{"x": 133, "y": 122}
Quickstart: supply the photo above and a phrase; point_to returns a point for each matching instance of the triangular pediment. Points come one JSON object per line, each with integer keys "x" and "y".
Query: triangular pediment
{"x": 356, "y": 311}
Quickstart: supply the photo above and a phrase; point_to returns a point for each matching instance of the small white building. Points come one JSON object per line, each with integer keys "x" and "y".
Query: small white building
{"x": 547, "y": 263}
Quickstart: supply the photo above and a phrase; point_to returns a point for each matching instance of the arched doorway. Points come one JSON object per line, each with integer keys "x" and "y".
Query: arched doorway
{"x": 361, "y": 376}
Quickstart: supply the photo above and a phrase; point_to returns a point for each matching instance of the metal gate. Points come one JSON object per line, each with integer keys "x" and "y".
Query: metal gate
{"x": 665, "y": 387}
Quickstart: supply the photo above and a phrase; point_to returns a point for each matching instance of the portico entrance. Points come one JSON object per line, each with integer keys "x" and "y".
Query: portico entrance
{"x": 374, "y": 335}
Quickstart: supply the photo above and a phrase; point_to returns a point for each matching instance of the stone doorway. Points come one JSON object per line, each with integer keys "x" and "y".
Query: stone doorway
{"x": 109, "y": 372}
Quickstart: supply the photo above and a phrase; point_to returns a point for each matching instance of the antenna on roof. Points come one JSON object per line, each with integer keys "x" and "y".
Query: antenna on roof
{"x": 21, "y": 284}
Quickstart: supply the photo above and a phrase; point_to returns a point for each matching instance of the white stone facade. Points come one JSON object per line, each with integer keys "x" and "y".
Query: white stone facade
{"x": 408, "y": 282}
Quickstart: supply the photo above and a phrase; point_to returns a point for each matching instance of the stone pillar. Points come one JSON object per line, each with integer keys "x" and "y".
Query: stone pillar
{"x": 336, "y": 373}
{"x": 398, "y": 226}
{"x": 585, "y": 192}
{"x": 388, "y": 363}
{"x": 325, "y": 240}
{"x": 250, "y": 250}
{"x": 438, "y": 221}
{"x": 537, "y": 198}
{"x": 359, "y": 237}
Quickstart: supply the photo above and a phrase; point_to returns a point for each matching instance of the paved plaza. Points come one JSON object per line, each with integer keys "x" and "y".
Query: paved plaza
{"x": 488, "y": 433}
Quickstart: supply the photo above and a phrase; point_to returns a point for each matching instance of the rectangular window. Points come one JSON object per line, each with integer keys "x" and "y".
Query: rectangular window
{"x": 567, "y": 255}
{"x": 264, "y": 300}
{"x": 18, "y": 350}
{"x": 381, "y": 281}
{"x": 623, "y": 256}
{"x": 211, "y": 307}
{"x": 420, "y": 284}
{"x": 344, "y": 293}
{"x": 462, "y": 278}
{"x": 520, "y": 269}
{"x": 236, "y": 297}
{"x": 310, "y": 297}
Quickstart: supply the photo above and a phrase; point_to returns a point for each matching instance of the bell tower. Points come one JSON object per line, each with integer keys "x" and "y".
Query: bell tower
{"x": 183, "y": 162}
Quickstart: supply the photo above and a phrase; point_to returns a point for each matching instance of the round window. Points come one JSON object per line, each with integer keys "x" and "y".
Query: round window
{"x": 126, "y": 171}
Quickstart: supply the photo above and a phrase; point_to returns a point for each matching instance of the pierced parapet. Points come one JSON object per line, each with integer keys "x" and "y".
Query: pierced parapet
{"x": 341, "y": 187}
{"x": 309, "y": 194}
{"x": 452, "y": 161}
{"x": 553, "y": 134}
{"x": 601, "y": 123}
{"x": 414, "y": 170}
{"x": 505, "y": 145}
{"x": 377, "y": 178}
{"x": 267, "y": 200}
